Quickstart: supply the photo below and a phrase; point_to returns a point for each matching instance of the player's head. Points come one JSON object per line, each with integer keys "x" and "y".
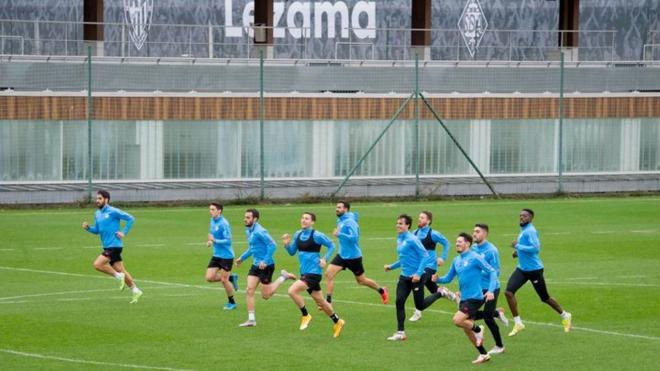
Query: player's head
{"x": 425, "y": 218}
{"x": 102, "y": 198}
{"x": 215, "y": 209}
{"x": 463, "y": 242}
{"x": 307, "y": 220}
{"x": 526, "y": 216}
{"x": 342, "y": 207}
{"x": 480, "y": 232}
{"x": 403, "y": 223}
{"x": 251, "y": 216}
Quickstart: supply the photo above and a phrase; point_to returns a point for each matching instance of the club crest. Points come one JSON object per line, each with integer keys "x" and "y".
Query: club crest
{"x": 473, "y": 25}
{"x": 137, "y": 14}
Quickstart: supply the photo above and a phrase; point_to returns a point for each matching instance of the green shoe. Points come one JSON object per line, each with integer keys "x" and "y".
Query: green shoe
{"x": 136, "y": 297}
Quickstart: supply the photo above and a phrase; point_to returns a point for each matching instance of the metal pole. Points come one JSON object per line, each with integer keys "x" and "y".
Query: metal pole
{"x": 560, "y": 145}
{"x": 89, "y": 124}
{"x": 474, "y": 166}
{"x": 357, "y": 165}
{"x": 417, "y": 151}
{"x": 261, "y": 122}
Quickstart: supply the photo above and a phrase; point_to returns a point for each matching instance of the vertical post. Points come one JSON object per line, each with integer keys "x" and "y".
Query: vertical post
{"x": 560, "y": 140}
{"x": 89, "y": 124}
{"x": 417, "y": 151}
{"x": 261, "y": 122}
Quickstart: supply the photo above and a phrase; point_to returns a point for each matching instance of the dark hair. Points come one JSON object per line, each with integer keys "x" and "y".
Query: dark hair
{"x": 217, "y": 205}
{"x": 346, "y": 204}
{"x": 405, "y": 217}
{"x": 466, "y": 237}
{"x": 529, "y": 211}
{"x": 428, "y": 215}
{"x": 254, "y": 212}
{"x": 483, "y": 226}
{"x": 312, "y": 215}
{"x": 103, "y": 193}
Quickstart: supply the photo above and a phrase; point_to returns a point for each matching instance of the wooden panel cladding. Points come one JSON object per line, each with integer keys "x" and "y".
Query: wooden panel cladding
{"x": 318, "y": 108}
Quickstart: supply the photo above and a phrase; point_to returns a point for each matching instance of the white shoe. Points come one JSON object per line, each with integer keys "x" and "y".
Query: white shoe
{"x": 136, "y": 297}
{"x": 502, "y": 317}
{"x": 416, "y": 316}
{"x": 496, "y": 350}
{"x": 398, "y": 336}
{"x": 448, "y": 294}
{"x": 481, "y": 359}
{"x": 248, "y": 323}
{"x": 479, "y": 337}
{"x": 567, "y": 322}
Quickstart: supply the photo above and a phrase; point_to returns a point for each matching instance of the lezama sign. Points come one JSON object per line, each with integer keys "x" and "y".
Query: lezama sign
{"x": 314, "y": 15}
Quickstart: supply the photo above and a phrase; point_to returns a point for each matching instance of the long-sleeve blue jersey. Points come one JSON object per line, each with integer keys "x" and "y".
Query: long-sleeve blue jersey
{"x": 491, "y": 255}
{"x": 348, "y": 236}
{"x": 309, "y": 254}
{"x": 260, "y": 245}
{"x": 529, "y": 248}
{"x": 437, "y": 238}
{"x": 106, "y": 224}
{"x": 413, "y": 257}
{"x": 468, "y": 266}
{"x": 221, "y": 232}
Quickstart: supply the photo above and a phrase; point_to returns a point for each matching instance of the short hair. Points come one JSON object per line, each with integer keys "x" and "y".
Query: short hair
{"x": 428, "y": 215}
{"x": 529, "y": 211}
{"x": 103, "y": 193}
{"x": 217, "y": 205}
{"x": 311, "y": 215}
{"x": 466, "y": 237}
{"x": 405, "y": 217}
{"x": 254, "y": 212}
{"x": 346, "y": 204}
{"x": 483, "y": 226}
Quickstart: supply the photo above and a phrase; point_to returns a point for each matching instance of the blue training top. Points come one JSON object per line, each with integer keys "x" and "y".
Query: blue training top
{"x": 413, "y": 257}
{"x": 106, "y": 224}
{"x": 529, "y": 248}
{"x": 491, "y": 255}
{"x": 348, "y": 236}
{"x": 260, "y": 244}
{"x": 221, "y": 232}
{"x": 436, "y": 238}
{"x": 468, "y": 266}
{"x": 309, "y": 251}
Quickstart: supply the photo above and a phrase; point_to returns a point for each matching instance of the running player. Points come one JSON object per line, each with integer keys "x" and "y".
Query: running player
{"x": 307, "y": 242}
{"x": 530, "y": 268}
{"x": 107, "y": 221}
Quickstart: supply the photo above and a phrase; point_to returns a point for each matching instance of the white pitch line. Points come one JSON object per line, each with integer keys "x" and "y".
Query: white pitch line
{"x": 644, "y": 231}
{"x": 47, "y": 248}
{"x": 83, "y": 361}
{"x": 150, "y": 245}
{"x": 69, "y": 292}
{"x": 7, "y": 249}
{"x": 604, "y": 232}
{"x": 586, "y": 329}
{"x": 581, "y": 278}
{"x": 604, "y": 284}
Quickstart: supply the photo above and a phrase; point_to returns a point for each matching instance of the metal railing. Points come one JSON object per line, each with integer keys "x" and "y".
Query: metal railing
{"x": 218, "y": 41}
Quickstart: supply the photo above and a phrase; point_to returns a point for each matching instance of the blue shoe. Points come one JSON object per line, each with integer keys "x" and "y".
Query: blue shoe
{"x": 229, "y": 306}
{"x": 233, "y": 278}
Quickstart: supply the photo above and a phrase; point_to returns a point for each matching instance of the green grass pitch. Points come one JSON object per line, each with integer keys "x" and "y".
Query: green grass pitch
{"x": 601, "y": 255}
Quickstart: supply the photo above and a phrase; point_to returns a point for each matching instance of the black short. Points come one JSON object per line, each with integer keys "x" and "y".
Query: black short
{"x": 114, "y": 254}
{"x": 470, "y": 307}
{"x": 221, "y": 263}
{"x": 265, "y": 275}
{"x": 355, "y": 265}
{"x": 313, "y": 282}
{"x": 520, "y": 277}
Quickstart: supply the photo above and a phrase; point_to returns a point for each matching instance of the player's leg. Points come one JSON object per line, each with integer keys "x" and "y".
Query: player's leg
{"x": 422, "y": 302}
{"x": 489, "y": 314}
{"x": 317, "y": 295}
{"x": 128, "y": 279}
{"x": 538, "y": 281}
{"x": 295, "y": 291}
{"x": 517, "y": 279}
{"x": 356, "y": 266}
{"x": 330, "y": 274}
{"x": 269, "y": 289}
{"x": 102, "y": 264}
{"x": 250, "y": 289}
{"x": 464, "y": 319}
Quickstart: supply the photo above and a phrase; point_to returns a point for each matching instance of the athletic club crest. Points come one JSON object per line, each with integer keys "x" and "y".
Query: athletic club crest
{"x": 472, "y": 25}
{"x": 137, "y": 14}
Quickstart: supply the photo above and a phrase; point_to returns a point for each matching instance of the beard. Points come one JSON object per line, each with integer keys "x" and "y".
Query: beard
{"x": 524, "y": 224}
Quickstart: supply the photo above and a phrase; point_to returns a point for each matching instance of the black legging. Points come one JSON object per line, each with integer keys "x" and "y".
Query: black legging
{"x": 403, "y": 289}
{"x": 428, "y": 282}
{"x": 488, "y": 315}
